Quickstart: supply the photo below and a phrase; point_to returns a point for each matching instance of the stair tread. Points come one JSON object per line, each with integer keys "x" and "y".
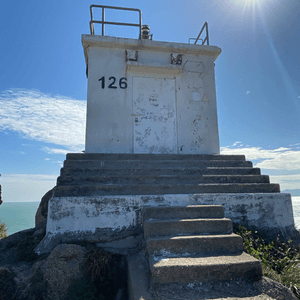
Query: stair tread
{"x": 96, "y": 156}
{"x": 160, "y": 171}
{"x": 131, "y": 164}
{"x": 156, "y": 189}
{"x": 184, "y": 212}
{"x": 187, "y": 237}
{"x": 175, "y": 184}
{"x": 195, "y": 178}
{"x": 185, "y": 262}
{"x": 172, "y": 176}
{"x": 149, "y": 221}
{"x": 201, "y": 269}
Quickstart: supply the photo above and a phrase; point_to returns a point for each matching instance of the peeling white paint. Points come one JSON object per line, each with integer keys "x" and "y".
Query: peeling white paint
{"x": 155, "y": 129}
{"x": 269, "y": 211}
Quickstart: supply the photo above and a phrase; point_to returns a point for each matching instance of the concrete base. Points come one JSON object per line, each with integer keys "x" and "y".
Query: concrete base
{"x": 109, "y": 218}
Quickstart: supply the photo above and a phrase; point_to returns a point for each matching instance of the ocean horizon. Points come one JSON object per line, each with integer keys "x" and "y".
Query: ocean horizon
{"x": 19, "y": 216}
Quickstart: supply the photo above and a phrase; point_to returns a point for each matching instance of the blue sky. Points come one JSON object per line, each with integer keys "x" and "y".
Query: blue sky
{"x": 43, "y": 84}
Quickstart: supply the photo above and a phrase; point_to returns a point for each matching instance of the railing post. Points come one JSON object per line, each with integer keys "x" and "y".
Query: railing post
{"x": 207, "y": 33}
{"x": 103, "y": 17}
{"x": 91, "y": 22}
{"x": 140, "y": 13}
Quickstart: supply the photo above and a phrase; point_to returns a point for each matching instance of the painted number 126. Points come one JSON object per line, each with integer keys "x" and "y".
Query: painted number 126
{"x": 112, "y": 82}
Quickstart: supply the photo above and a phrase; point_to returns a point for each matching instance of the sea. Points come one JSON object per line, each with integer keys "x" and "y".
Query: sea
{"x": 19, "y": 216}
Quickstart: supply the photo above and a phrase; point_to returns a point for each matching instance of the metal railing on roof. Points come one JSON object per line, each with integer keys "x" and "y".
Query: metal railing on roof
{"x": 206, "y": 39}
{"x": 103, "y": 22}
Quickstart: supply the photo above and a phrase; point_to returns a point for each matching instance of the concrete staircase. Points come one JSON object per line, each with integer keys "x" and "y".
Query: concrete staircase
{"x": 150, "y": 174}
{"x": 185, "y": 244}
{"x": 195, "y": 244}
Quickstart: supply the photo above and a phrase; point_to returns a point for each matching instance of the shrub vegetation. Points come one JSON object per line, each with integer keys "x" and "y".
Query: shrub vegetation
{"x": 280, "y": 260}
{"x": 3, "y": 231}
{"x": 104, "y": 275}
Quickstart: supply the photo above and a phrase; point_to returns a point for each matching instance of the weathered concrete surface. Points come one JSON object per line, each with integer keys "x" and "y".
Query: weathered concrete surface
{"x": 127, "y": 156}
{"x": 150, "y": 105}
{"x": 196, "y": 256}
{"x": 140, "y": 287}
{"x": 203, "y": 269}
{"x": 161, "y": 188}
{"x": 199, "y": 244}
{"x": 110, "y": 218}
{"x": 189, "y": 212}
{"x": 270, "y": 212}
{"x": 137, "y": 174}
{"x": 184, "y": 226}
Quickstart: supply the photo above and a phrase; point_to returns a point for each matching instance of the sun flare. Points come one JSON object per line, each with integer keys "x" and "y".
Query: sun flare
{"x": 246, "y": 3}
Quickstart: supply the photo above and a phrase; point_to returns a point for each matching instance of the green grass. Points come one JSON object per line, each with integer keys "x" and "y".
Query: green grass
{"x": 280, "y": 260}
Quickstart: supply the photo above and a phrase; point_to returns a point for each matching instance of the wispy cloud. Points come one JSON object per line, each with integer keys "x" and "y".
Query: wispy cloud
{"x": 247, "y": 93}
{"x": 43, "y": 117}
{"x": 55, "y": 151}
{"x": 287, "y": 181}
{"x": 25, "y": 187}
{"x": 282, "y": 160}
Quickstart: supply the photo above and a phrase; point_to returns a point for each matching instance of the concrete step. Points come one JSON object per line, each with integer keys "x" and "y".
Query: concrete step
{"x": 155, "y": 171}
{"x": 166, "y": 179}
{"x": 171, "y": 227}
{"x": 238, "y": 289}
{"x": 203, "y": 245}
{"x": 140, "y": 164}
{"x": 183, "y": 212}
{"x": 203, "y": 269}
{"x": 156, "y": 189}
{"x": 127, "y": 156}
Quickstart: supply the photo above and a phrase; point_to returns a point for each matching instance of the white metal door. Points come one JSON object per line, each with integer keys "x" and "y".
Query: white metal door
{"x": 154, "y": 115}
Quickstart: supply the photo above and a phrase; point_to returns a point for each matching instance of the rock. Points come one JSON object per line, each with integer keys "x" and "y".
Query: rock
{"x": 13, "y": 239}
{"x": 0, "y": 194}
{"x": 60, "y": 268}
{"x": 274, "y": 289}
{"x": 42, "y": 212}
{"x": 8, "y": 286}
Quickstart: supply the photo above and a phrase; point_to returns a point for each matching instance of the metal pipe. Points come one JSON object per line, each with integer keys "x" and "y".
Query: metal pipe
{"x": 116, "y": 7}
{"x": 115, "y": 23}
{"x": 206, "y": 38}
{"x": 140, "y": 18}
{"x": 91, "y": 25}
{"x": 103, "y": 20}
{"x": 207, "y": 33}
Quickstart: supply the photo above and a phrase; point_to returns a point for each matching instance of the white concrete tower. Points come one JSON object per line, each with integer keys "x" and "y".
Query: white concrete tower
{"x": 146, "y": 96}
